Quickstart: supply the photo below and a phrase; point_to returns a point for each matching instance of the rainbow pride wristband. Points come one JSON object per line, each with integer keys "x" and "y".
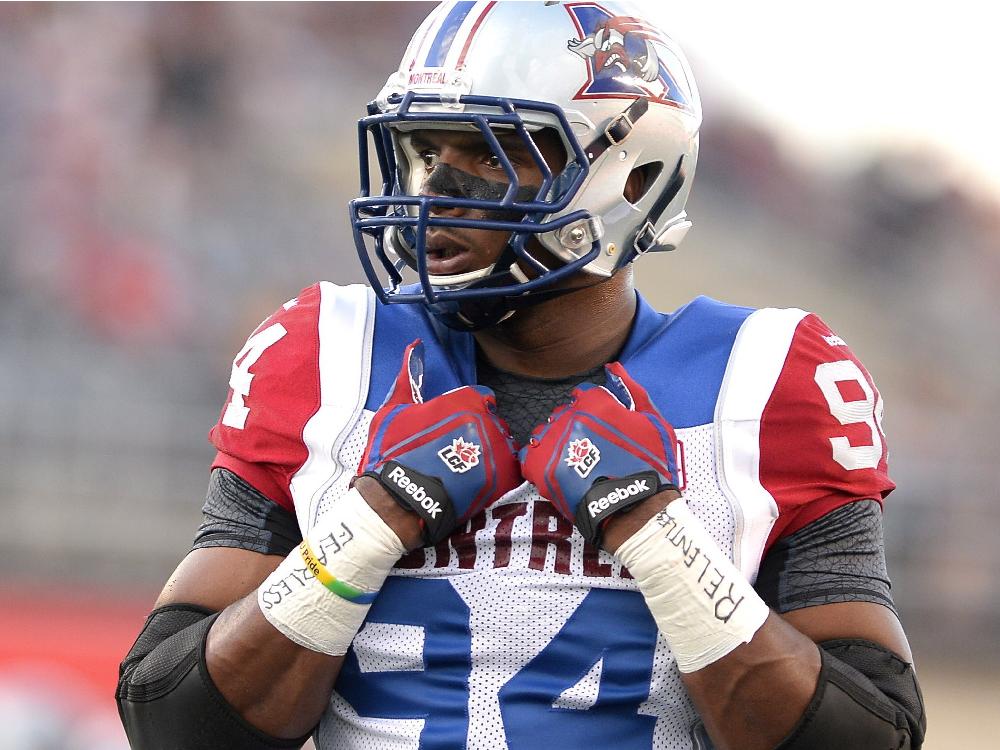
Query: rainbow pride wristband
{"x": 298, "y": 603}
{"x": 330, "y": 582}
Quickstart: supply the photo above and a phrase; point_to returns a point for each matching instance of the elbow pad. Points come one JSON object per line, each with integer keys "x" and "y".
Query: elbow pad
{"x": 866, "y": 697}
{"x": 166, "y": 698}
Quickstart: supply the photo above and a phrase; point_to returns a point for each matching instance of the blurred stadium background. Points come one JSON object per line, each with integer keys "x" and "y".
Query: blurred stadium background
{"x": 169, "y": 174}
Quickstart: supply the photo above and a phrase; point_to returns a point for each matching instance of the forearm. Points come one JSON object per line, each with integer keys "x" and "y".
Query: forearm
{"x": 753, "y": 697}
{"x": 277, "y": 685}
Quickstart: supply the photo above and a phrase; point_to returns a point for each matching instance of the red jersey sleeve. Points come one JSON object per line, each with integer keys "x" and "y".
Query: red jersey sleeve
{"x": 273, "y": 391}
{"x": 821, "y": 439}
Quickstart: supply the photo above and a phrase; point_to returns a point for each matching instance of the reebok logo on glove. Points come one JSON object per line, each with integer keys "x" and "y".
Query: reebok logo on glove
{"x": 609, "y": 496}
{"x": 424, "y": 495}
{"x": 618, "y": 494}
{"x": 414, "y": 490}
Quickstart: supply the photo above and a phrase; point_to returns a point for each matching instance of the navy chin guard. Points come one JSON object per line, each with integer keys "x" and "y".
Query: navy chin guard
{"x": 390, "y": 229}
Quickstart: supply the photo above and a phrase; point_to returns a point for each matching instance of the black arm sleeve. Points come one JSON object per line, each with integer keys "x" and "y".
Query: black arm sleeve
{"x": 237, "y": 515}
{"x": 166, "y": 698}
{"x": 839, "y": 557}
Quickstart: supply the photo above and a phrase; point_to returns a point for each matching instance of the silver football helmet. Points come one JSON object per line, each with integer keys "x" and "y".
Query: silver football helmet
{"x": 615, "y": 88}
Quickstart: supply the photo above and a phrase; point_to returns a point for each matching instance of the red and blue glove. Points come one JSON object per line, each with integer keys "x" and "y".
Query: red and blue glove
{"x": 602, "y": 453}
{"x": 445, "y": 459}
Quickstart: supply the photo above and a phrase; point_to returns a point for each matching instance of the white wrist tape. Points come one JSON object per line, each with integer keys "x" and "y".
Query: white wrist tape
{"x": 319, "y": 595}
{"x": 701, "y": 603}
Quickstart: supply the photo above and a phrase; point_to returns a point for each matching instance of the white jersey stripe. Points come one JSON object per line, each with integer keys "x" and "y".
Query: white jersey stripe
{"x": 757, "y": 359}
{"x": 346, "y": 324}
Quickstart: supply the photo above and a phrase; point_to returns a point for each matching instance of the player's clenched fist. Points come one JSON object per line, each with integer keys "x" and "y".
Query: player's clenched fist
{"x": 605, "y": 451}
{"x": 447, "y": 458}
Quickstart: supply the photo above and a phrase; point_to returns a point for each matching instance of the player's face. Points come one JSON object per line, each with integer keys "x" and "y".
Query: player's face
{"x": 461, "y": 164}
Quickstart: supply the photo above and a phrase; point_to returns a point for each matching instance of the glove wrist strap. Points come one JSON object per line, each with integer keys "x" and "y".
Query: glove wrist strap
{"x": 609, "y": 496}
{"x": 423, "y": 494}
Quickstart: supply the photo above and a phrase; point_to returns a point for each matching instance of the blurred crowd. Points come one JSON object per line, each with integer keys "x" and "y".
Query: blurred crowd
{"x": 170, "y": 174}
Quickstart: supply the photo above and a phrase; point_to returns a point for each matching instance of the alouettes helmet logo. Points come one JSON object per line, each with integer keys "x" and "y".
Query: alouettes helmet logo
{"x": 460, "y": 455}
{"x": 626, "y": 57}
{"x": 582, "y": 456}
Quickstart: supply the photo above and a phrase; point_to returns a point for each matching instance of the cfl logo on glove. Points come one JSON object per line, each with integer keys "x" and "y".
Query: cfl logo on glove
{"x": 582, "y": 456}
{"x": 460, "y": 456}
{"x": 616, "y": 495}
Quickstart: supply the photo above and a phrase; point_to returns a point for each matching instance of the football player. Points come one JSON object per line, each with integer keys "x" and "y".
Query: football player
{"x": 508, "y": 504}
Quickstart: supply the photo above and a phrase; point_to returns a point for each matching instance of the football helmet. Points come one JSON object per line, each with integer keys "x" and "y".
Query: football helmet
{"x": 615, "y": 88}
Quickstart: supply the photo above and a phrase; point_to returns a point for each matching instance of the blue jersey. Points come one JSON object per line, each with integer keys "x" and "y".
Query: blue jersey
{"x": 513, "y": 632}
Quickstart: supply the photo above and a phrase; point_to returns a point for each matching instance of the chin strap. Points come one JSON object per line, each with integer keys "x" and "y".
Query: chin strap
{"x": 474, "y": 315}
{"x": 459, "y": 280}
{"x": 647, "y": 239}
{"x": 618, "y": 129}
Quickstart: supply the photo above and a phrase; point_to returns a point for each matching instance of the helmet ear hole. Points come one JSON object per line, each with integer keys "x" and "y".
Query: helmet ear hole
{"x": 640, "y": 180}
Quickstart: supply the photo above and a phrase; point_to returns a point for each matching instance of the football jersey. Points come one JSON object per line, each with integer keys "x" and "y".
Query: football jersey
{"x": 513, "y": 632}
